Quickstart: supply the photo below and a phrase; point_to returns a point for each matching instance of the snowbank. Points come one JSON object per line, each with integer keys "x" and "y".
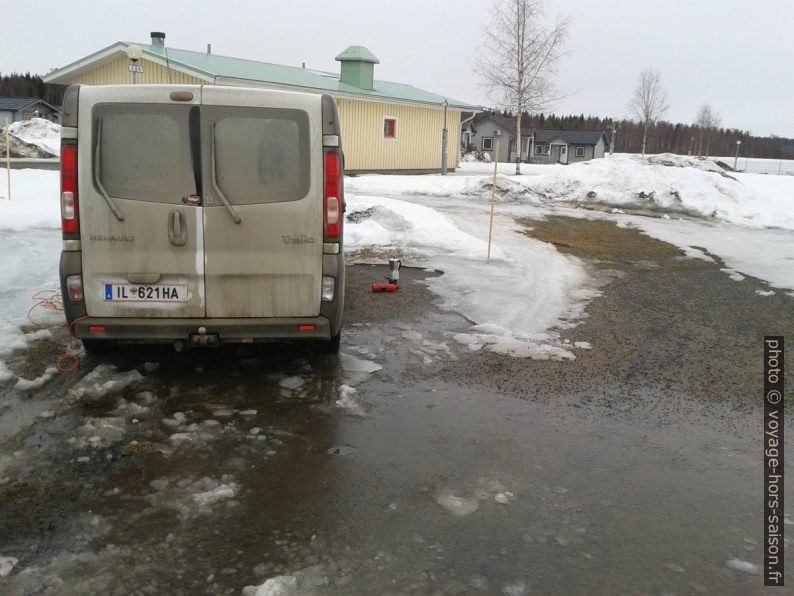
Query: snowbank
{"x": 665, "y": 183}
{"x": 396, "y": 225}
{"x": 40, "y": 132}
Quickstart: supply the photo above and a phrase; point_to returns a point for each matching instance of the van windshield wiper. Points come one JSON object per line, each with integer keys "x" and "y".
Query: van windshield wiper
{"x": 108, "y": 199}
{"x": 214, "y": 179}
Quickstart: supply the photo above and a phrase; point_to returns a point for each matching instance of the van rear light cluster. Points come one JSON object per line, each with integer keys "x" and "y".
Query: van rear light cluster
{"x": 74, "y": 286}
{"x": 333, "y": 195}
{"x": 70, "y": 221}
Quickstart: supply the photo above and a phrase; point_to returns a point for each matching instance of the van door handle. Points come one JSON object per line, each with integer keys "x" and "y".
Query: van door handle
{"x": 177, "y": 227}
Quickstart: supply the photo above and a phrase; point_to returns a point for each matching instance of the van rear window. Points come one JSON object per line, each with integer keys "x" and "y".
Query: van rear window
{"x": 142, "y": 152}
{"x": 261, "y": 154}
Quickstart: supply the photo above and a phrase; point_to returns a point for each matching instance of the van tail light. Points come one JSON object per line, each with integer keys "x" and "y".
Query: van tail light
{"x": 74, "y": 286}
{"x": 70, "y": 213}
{"x": 333, "y": 195}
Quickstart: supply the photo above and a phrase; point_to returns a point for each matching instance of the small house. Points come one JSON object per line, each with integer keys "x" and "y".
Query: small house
{"x": 15, "y": 109}
{"x": 493, "y": 133}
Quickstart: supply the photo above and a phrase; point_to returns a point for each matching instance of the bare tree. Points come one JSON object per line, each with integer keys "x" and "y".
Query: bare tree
{"x": 518, "y": 56}
{"x": 649, "y": 102}
{"x": 707, "y": 120}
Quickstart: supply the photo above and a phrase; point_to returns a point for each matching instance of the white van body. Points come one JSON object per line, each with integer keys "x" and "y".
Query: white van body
{"x": 201, "y": 214}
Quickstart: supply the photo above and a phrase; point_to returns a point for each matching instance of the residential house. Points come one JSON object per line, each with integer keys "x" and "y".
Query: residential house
{"x": 494, "y": 133}
{"x": 14, "y": 109}
{"x": 567, "y": 146}
{"x": 386, "y": 126}
{"x": 537, "y": 145}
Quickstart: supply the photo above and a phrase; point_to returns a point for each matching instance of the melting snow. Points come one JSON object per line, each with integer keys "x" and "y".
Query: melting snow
{"x": 348, "y": 402}
{"x": 743, "y": 566}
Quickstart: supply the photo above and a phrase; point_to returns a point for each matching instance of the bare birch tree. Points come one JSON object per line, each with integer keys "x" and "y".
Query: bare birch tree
{"x": 707, "y": 120}
{"x": 649, "y": 102}
{"x": 518, "y": 56}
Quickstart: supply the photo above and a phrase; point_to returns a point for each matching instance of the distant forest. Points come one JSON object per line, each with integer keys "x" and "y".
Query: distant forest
{"x": 667, "y": 137}
{"x": 28, "y": 85}
{"x": 663, "y": 137}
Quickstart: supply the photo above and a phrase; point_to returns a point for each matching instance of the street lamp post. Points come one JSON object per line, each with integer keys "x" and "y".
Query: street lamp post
{"x": 134, "y": 53}
{"x": 736, "y": 159}
{"x": 612, "y": 142}
{"x": 444, "y": 141}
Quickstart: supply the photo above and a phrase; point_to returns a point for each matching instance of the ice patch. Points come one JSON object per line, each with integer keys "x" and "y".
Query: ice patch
{"x": 291, "y": 383}
{"x": 743, "y": 566}
{"x": 104, "y": 381}
{"x": 540, "y": 347}
{"x": 219, "y": 493}
{"x": 281, "y": 585}
{"x": 459, "y": 506}
{"x": 98, "y": 433}
{"x": 765, "y": 292}
{"x": 348, "y": 402}
{"x": 28, "y": 385}
{"x": 733, "y": 274}
{"x": 7, "y": 565}
{"x": 190, "y": 497}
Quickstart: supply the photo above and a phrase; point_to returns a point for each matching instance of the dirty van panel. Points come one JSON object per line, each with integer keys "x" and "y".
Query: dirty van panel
{"x": 264, "y": 161}
{"x": 142, "y": 242}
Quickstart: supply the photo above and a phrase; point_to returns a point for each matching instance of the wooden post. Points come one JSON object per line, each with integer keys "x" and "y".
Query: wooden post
{"x": 8, "y": 156}
{"x": 493, "y": 199}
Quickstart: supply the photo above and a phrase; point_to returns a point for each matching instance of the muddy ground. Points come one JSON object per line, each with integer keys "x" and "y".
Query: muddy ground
{"x": 409, "y": 465}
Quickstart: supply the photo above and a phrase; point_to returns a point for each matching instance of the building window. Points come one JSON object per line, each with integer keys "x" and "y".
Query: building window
{"x": 390, "y": 128}
{"x": 542, "y": 149}
{"x": 580, "y": 152}
{"x": 487, "y": 143}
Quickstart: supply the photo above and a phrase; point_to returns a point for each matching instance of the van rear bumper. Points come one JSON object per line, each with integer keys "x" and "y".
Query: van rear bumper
{"x": 139, "y": 330}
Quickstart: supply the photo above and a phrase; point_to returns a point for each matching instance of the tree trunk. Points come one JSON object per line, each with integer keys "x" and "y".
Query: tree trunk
{"x": 644, "y": 136}
{"x": 518, "y": 143}
{"x": 700, "y": 143}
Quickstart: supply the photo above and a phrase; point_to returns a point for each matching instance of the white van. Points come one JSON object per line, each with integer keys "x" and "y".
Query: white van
{"x": 201, "y": 215}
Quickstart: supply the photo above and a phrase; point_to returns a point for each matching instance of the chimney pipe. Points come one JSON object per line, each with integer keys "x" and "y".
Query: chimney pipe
{"x": 158, "y": 38}
{"x": 209, "y": 48}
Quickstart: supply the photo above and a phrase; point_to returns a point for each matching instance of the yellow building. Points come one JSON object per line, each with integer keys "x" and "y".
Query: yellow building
{"x": 386, "y": 126}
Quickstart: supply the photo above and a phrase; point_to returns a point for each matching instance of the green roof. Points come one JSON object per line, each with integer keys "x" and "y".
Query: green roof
{"x": 225, "y": 69}
{"x": 358, "y": 54}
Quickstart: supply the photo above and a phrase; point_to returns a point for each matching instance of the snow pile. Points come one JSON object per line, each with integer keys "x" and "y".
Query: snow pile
{"x": 475, "y": 156}
{"x": 39, "y": 132}
{"x": 662, "y": 183}
{"x": 392, "y": 225}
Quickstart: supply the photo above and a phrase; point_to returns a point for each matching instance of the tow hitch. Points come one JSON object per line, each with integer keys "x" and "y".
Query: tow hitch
{"x": 202, "y": 338}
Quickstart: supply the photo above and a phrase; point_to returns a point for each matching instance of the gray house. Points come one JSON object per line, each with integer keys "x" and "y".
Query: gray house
{"x": 537, "y": 145}
{"x": 496, "y": 131}
{"x": 567, "y": 146}
{"x": 25, "y": 108}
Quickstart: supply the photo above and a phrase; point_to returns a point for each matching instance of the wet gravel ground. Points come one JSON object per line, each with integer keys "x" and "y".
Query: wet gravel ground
{"x": 407, "y": 465}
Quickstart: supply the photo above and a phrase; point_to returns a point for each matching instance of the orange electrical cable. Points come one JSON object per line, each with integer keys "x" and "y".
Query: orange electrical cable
{"x": 51, "y": 300}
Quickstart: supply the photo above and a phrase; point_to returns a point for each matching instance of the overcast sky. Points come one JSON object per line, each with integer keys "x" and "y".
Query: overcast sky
{"x": 735, "y": 54}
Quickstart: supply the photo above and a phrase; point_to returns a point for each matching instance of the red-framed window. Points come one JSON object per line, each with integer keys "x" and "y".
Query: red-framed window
{"x": 390, "y": 128}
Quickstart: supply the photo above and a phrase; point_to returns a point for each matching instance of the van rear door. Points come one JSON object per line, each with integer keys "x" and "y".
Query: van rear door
{"x": 140, "y": 216}
{"x": 263, "y": 210}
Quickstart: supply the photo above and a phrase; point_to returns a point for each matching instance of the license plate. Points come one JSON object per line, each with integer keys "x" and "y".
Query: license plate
{"x": 145, "y": 293}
